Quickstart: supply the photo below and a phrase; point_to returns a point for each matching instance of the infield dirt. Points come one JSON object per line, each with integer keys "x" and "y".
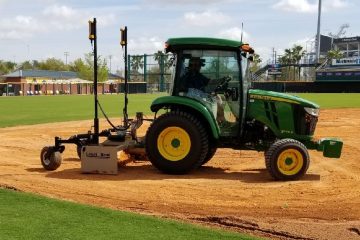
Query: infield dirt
{"x": 232, "y": 191}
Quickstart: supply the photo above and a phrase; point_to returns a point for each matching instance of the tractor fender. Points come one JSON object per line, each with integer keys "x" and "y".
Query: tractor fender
{"x": 194, "y": 106}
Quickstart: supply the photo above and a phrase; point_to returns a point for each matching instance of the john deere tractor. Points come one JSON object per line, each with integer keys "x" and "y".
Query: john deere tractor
{"x": 211, "y": 106}
{"x": 217, "y": 109}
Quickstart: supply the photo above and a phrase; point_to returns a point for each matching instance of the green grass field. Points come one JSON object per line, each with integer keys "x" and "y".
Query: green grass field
{"x": 43, "y": 109}
{"x": 333, "y": 100}
{"x": 28, "y": 216}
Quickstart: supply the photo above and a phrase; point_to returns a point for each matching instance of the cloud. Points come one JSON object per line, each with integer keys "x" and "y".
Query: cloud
{"x": 190, "y": 2}
{"x": 234, "y": 33}
{"x": 19, "y": 27}
{"x": 334, "y": 4}
{"x": 302, "y": 42}
{"x": 305, "y": 6}
{"x": 207, "y": 18}
{"x": 67, "y": 18}
{"x": 307, "y": 43}
{"x": 296, "y": 6}
{"x": 60, "y": 11}
{"x": 52, "y": 18}
{"x": 148, "y": 45}
{"x": 265, "y": 54}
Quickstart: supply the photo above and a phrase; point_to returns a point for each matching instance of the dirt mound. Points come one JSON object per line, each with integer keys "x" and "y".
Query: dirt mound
{"x": 233, "y": 190}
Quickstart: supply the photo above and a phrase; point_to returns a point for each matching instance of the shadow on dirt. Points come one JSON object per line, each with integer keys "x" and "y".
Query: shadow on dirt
{"x": 71, "y": 160}
{"x": 145, "y": 171}
{"x": 38, "y": 170}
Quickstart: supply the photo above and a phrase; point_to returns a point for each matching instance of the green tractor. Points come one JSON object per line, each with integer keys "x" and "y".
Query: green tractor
{"x": 211, "y": 105}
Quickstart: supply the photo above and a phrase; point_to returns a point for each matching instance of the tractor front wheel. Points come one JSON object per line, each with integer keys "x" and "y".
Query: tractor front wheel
{"x": 176, "y": 143}
{"x": 210, "y": 154}
{"x": 50, "y": 159}
{"x": 287, "y": 159}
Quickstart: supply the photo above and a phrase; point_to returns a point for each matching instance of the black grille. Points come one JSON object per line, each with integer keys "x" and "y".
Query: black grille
{"x": 310, "y": 122}
{"x": 304, "y": 123}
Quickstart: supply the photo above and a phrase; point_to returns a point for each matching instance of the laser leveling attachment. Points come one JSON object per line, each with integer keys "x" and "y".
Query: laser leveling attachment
{"x": 99, "y": 157}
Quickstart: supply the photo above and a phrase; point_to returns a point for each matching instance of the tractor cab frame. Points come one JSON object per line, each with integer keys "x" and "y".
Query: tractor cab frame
{"x": 223, "y": 98}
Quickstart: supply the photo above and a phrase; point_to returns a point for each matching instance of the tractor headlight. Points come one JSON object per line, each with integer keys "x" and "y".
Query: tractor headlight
{"x": 312, "y": 111}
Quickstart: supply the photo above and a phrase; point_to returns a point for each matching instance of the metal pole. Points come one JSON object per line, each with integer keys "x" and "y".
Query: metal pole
{"x": 273, "y": 55}
{"x": 66, "y": 55}
{"x": 242, "y": 31}
{"x": 96, "y": 119}
{"x": 126, "y": 81}
{"x": 110, "y": 63}
{"x": 145, "y": 70}
{"x": 318, "y": 35}
{"x": 162, "y": 87}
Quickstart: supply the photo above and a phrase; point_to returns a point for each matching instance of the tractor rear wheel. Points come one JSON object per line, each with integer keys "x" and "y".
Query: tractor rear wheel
{"x": 176, "y": 143}
{"x": 50, "y": 159}
{"x": 287, "y": 159}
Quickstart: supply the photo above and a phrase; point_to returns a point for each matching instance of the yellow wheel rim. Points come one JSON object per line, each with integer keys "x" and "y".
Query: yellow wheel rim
{"x": 174, "y": 143}
{"x": 290, "y": 162}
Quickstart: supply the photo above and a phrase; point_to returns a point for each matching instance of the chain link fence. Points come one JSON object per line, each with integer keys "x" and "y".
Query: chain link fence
{"x": 153, "y": 70}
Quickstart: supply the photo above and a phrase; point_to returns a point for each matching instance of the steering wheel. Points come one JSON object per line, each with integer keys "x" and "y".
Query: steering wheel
{"x": 222, "y": 86}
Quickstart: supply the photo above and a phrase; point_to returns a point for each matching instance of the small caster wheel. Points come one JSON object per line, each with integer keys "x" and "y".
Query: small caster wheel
{"x": 50, "y": 159}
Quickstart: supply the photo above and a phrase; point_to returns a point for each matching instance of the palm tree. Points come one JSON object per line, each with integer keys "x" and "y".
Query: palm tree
{"x": 255, "y": 63}
{"x": 292, "y": 57}
{"x": 136, "y": 62}
{"x": 286, "y": 59}
{"x": 335, "y": 54}
{"x": 162, "y": 60}
{"x": 298, "y": 53}
{"x": 257, "y": 58}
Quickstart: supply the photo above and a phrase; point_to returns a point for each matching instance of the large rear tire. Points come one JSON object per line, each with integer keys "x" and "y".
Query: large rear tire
{"x": 287, "y": 159}
{"x": 176, "y": 143}
{"x": 50, "y": 159}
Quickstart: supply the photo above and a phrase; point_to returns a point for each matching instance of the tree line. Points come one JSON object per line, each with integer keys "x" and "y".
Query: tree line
{"x": 83, "y": 66}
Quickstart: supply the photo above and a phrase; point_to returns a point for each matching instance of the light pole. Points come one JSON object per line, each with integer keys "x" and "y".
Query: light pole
{"x": 110, "y": 56}
{"x": 66, "y": 55}
{"x": 318, "y": 35}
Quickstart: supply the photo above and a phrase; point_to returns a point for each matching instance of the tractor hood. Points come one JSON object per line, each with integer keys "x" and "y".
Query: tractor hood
{"x": 280, "y": 97}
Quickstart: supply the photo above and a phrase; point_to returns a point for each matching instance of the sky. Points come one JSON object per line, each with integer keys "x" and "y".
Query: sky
{"x": 40, "y": 29}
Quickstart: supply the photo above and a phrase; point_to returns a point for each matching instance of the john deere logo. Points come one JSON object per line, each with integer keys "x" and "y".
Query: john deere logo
{"x": 270, "y": 98}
